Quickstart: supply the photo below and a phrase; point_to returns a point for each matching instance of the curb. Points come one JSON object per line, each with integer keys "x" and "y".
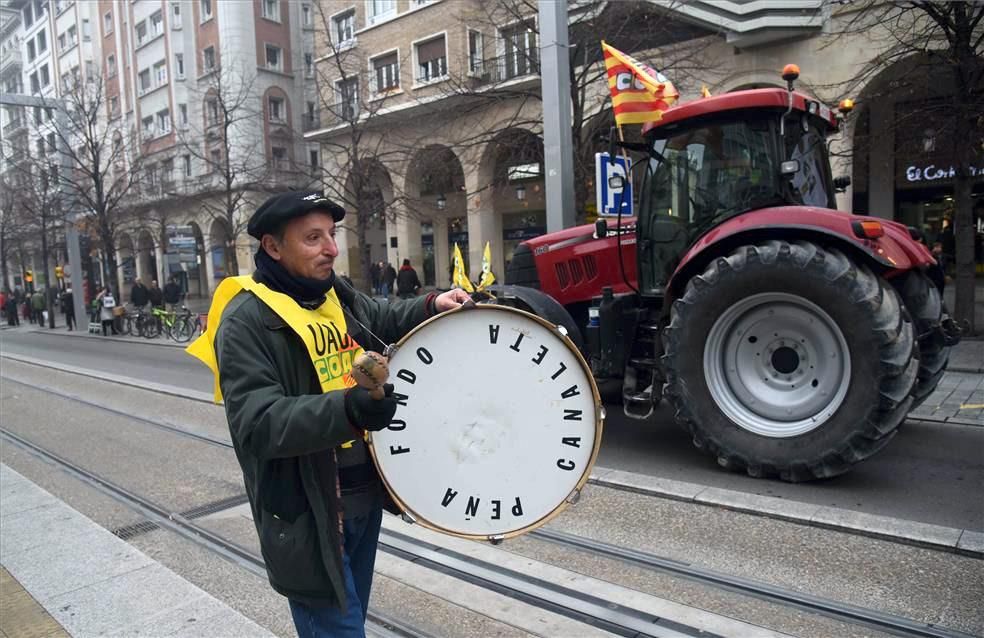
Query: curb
{"x": 949, "y": 539}
{"x": 78, "y": 334}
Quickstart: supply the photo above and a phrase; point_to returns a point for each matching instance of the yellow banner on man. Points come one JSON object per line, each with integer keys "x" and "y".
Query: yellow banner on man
{"x": 487, "y": 277}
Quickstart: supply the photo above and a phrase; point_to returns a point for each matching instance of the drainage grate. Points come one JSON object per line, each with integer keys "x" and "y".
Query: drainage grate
{"x": 129, "y": 531}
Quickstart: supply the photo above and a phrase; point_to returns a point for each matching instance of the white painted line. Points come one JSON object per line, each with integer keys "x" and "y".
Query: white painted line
{"x": 92, "y": 582}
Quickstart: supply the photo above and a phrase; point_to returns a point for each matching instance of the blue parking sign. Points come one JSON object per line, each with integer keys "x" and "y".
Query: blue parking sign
{"x": 608, "y": 197}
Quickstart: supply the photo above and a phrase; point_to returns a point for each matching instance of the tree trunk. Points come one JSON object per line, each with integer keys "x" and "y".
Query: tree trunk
{"x": 111, "y": 277}
{"x": 49, "y": 302}
{"x": 3, "y": 263}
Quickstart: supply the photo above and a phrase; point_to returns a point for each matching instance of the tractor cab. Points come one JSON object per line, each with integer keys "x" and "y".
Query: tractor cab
{"x": 721, "y": 157}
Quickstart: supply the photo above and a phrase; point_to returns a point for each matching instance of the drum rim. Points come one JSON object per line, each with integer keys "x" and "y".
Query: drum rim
{"x": 575, "y": 493}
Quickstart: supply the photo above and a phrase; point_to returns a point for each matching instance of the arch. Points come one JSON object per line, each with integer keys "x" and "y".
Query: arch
{"x": 147, "y": 266}
{"x": 126, "y": 261}
{"x": 435, "y": 188}
{"x": 219, "y": 250}
{"x": 369, "y": 202}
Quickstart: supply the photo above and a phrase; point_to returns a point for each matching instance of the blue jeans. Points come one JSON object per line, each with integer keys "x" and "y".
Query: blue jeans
{"x": 359, "y": 560}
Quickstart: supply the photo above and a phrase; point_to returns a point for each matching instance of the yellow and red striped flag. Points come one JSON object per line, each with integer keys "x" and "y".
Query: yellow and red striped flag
{"x": 640, "y": 94}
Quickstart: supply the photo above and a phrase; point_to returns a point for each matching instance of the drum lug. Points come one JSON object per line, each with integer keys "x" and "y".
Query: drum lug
{"x": 574, "y": 497}
{"x": 408, "y": 518}
{"x": 390, "y": 350}
{"x": 496, "y": 539}
{"x": 563, "y": 331}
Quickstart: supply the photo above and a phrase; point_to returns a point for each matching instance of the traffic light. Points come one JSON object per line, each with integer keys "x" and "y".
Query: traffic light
{"x": 29, "y": 276}
{"x": 59, "y": 273}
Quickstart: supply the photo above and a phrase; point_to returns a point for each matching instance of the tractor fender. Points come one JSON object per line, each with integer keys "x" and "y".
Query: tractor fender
{"x": 891, "y": 254}
{"x": 540, "y": 304}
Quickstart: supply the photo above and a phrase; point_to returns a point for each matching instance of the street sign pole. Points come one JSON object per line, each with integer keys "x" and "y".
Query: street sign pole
{"x": 555, "y": 77}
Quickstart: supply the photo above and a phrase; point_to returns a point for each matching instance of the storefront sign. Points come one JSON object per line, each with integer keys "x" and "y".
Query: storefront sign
{"x": 933, "y": 172}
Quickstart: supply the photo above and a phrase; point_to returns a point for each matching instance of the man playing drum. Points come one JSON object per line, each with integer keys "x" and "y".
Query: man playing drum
{"x": 281, "y": 344}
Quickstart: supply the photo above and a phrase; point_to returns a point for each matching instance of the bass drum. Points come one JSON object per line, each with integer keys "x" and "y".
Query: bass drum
{"x": 498, "y": 425}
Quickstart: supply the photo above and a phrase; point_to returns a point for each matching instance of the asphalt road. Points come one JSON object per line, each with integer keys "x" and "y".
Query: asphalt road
{"x": 930, "y": 473}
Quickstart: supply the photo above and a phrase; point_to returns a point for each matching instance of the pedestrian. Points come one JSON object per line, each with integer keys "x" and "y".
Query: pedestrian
{"x": 107, "y": 302}
{"x": 68, "y": 307}
{"x": 3, "y": 302}
{"x": 11, "y": 310}
{"x": 407, "y": 282}
{"x": 375, "y": 271}
{"x": 297, "y": 428}
{"x": 139, "y": 295}
{"x": 172, "y": 294}
{"x": 388, "y": 277}
{"x": 155, "y": 295}
{"x": 37, "y": 308}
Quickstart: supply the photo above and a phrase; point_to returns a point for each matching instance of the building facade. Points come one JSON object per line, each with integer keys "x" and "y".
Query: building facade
{"x": 445, "y": 97}
{"x": 214, "y": 97}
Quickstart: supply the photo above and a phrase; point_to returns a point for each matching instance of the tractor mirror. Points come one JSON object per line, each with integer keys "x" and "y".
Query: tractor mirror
{"x": 601, "y": 228}
{"x": 841, "y": 183}
{"x": 789, "y": 168}
{"x": 616, "y": 182}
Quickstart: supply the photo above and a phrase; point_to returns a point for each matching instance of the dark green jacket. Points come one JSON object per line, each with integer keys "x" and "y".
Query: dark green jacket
{"x": 284, "y": 430}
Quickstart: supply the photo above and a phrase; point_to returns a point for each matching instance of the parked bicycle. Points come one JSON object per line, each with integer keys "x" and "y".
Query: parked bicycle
{"x": 178, "y": 327}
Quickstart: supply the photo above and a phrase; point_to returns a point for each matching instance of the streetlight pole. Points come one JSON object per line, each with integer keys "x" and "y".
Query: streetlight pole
{"x": 71, "y": 233}
{"x": 555, "y": 78}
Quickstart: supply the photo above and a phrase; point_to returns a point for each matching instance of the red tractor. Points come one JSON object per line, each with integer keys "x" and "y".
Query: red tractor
{"x": 792, "y": 339}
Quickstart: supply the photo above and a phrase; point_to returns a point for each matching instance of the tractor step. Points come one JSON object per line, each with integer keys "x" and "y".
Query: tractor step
{"x": 644, "y": 362}
{"x": 637, "y": 405}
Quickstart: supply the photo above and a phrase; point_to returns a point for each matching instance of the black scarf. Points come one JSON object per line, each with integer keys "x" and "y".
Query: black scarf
{"x": 307, "y": 292}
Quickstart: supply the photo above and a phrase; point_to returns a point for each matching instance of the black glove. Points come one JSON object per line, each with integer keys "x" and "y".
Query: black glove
{"x": 368, "y": 413}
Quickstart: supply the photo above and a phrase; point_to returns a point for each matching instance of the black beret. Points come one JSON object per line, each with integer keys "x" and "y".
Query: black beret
{"x": 277, "y": 210}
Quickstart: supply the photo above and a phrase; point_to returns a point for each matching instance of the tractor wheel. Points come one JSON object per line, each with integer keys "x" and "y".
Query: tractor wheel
{"x": 926, "y": 307}
{"x": 786, "y": 358}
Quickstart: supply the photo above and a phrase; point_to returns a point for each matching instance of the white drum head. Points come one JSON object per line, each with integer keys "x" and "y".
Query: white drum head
{"x": 499, "y": 423}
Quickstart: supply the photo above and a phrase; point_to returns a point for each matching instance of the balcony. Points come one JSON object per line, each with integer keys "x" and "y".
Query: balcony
{"x": 310, "y": 122}
{"x": 12, "y": 61}
{"x": 507, "y": 67}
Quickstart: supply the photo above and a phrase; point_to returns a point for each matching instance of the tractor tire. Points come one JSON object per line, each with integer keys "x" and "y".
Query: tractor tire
{"x": 923, "y": 301}
{"x": 787, "y": 359}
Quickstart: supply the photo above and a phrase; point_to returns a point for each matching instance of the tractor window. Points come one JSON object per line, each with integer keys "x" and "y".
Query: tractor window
{"x": 810, "y": 183}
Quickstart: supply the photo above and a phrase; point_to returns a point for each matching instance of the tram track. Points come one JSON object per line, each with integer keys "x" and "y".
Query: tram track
{"x": 494, "y": 579}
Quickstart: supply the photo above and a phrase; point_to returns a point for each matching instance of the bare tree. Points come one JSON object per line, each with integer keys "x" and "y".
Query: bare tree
{"x": 938, "y": 43}
{"x": 99, "y": 165}
{"x": 228, "y": 142}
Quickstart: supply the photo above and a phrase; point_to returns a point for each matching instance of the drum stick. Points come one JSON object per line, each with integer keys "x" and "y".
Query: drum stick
{"x": 370, "y": 371}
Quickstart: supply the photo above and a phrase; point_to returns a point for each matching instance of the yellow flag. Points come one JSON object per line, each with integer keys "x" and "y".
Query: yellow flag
{"x": 460, "y": 279}
{"x": 487, "y": 277}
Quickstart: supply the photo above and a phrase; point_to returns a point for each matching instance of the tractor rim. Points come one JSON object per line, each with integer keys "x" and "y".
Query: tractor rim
{"x": 777, "y": 365}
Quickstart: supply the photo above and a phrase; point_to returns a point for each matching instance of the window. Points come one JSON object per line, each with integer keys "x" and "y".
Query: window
{"x": 107, "y": 23}
{"x": 147, "y": 126}
{"x": 63, "y": 42}
{"x": 273, "y": 57}
{"x": 208, "y": 58}
{"x": 343, "y": 27}
{"x": 379, "y": 10}
{"x": 156, "y": 24}
{"x": 476, "y": 52}
{"x": 42, "y": 41}
{"x": 164, "y": 121}
{"x": 215, "y": 158}
{"x": 271, "y": 9}
{"x": 313, "y": 158}
{"x": 66, "y": 81}
{"x": 311, "y": 115}
{"x": 179, "y": 66}
{"x": 167, "y": 171}
{"x": 432, "y": 60}
{"x": 110, "y": 66}
{"x": 28, "y": 14}
{"x": 141, "y": 33}
{"x": 183, "y": 114}
{"x": 160, "y": 72}
{"x": 37, "y": 114}
{"x": 35, "y": 84}
{"x": 309, "y": 65}
{"x": 72, "y": 36}
{"x": 144, "y": 81}
{"x": 114, "y": 106}
{"x": 276, "y": 109}
{"x": 86, "y": 31}
{"x": 206, "y": 9}
{"x": 211, "y": 111}
{"x": 39, "y": 147}
{"x": 279, "y": 156}
{"x": 175, "y": 15}
{"x": 150, "y": 173}
{"x": 45, "y": 78}
{"x": 520, "y": 48}
{"x": 386, "y": 73}
{"x": 32, "y": 51}
{"x": 186, "y": 161}
{"x": 347, "y": 98}
{"x": 306, "y": 18}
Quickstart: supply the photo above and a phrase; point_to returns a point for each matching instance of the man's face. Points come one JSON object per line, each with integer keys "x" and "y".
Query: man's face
{"x": 154, "y": 283}
{"x": 308, "y": 246}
